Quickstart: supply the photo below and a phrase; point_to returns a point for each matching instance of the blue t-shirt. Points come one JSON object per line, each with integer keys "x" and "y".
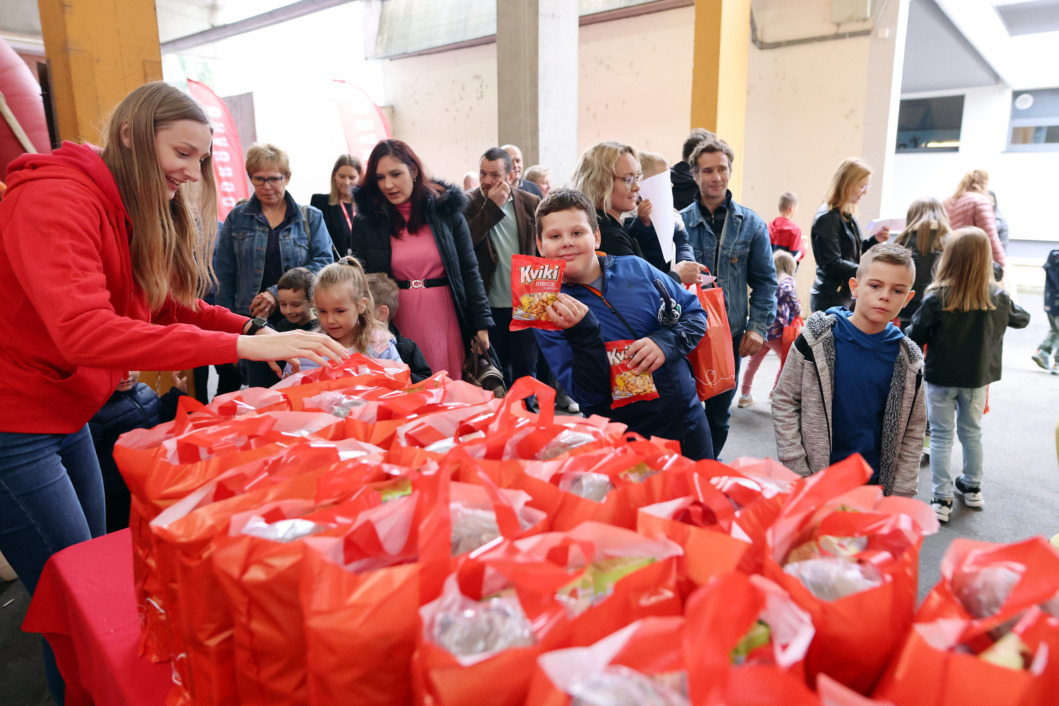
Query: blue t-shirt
{"x": 864, "y": 366}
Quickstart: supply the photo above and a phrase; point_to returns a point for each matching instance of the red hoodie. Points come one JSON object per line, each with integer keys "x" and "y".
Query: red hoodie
{"x": 73, "y": 318}
{"x": 786, "y": 234}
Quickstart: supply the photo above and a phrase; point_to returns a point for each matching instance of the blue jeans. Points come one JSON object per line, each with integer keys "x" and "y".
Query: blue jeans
{"x": 965, "y": 405}
{"x": 51, "y": 497}
{"x": 719, "y": 407}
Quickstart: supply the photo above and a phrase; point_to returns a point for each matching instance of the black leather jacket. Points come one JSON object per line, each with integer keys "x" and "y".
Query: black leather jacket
{"x": 837, "y": 246}
{"x": 966, "y": 347}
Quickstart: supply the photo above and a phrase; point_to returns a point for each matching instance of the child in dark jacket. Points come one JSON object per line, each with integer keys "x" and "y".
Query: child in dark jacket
{"x": 606, "y": 299}
{"x": 1049, "y": 348}
{"x": 962, "y": 321}
{"x": 133, "y": 405}
{"x": 384, "y": 294}
{"x": 294, "y": 290}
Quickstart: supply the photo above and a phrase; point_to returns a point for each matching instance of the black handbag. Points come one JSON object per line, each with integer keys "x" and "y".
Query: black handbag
{"x": 482, "y": 368}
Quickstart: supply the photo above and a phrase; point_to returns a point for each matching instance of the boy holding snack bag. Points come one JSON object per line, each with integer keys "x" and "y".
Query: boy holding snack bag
{"x": 618, "y": 330}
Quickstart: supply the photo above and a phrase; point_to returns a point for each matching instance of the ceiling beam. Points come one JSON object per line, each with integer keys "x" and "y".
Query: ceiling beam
{"x": 251, "y": 24}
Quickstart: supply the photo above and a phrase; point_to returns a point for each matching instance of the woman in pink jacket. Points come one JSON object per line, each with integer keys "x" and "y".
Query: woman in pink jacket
{"x": 972, "y": 206}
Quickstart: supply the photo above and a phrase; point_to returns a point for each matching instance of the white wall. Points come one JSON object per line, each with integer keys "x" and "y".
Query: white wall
{"x": 634, "y": 85}
{"x": 1023, "y": 181}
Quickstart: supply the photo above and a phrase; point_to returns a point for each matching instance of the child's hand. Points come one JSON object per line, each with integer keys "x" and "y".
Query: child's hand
{"x": 643, "y": 212}
{"x": 647, "y": 355}
{"x": 567, "y": 312}
{"x": 689, "y": 270}
{"x": 180, "y": 382}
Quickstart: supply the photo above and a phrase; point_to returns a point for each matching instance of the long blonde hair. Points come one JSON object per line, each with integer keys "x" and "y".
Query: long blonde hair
{"x": 928, "y": 221}
{"x": 172, "y": 240}
{"x": 965, "y": 271}
{"x": 349, "y": 273}
{"x": 976, "y": 180}
{"x": 840, "y": 190}
{"x": 594, "y": 173}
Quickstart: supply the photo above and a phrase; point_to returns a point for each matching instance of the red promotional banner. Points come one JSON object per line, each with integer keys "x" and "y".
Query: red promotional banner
{"x": 362, "y": 121}
{"x": 229, "y": 170}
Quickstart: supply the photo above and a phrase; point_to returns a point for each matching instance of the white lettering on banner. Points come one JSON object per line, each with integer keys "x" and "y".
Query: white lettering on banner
{"x": 226, "y": 186}
{"x": 219, "y": 128}
{"x": 220, "y": 141}
{"x": 228, "y": 202}
{"x": 617, "y": 355}
{"x": 529, "y": 273}
{"x": 225, "y": 172}
{"x": 222, "y": 157}
{"x": 212, "y": 111}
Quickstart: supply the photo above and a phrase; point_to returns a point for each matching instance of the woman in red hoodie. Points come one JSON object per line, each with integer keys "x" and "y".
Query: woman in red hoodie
{"x": 103, "y": 264}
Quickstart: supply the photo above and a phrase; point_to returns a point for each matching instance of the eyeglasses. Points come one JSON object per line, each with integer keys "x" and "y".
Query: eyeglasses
{"x": 271, "y": 181}
{"x": 630, "y": 180}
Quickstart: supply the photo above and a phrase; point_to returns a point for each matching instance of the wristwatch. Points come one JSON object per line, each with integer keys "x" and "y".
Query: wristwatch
{"x": 256, "y": 324}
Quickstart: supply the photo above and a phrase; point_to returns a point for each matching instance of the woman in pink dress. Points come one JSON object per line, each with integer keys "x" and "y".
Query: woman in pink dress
{"x": 411, "y": 227}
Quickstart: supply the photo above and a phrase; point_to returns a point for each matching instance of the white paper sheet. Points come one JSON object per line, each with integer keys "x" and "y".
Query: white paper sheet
{"x": 659, "y": 191}
{"x": 890, "y": 225}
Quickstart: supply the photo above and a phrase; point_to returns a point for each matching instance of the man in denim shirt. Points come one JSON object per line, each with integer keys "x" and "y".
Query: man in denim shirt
{"x": 733, "y": 242}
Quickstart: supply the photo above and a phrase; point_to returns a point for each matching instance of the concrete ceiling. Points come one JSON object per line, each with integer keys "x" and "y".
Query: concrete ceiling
{"x": 937, "y": 56}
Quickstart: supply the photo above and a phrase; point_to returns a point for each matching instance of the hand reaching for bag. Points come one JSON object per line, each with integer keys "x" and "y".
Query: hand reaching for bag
{"x": 269, "y": 346}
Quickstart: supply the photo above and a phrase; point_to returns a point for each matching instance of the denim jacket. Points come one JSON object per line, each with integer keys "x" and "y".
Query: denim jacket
{"x": 241, "y": 242}
{"x": 743, "y": 259}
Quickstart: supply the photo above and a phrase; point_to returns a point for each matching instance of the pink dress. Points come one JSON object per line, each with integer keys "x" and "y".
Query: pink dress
{"x": 427, "y": 315}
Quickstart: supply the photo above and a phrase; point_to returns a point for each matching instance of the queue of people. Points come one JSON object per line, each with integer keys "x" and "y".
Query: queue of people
{"x": 396, "y": 263}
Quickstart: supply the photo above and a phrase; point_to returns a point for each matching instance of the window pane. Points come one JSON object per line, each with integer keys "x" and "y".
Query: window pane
{"x": 930, "y": 124}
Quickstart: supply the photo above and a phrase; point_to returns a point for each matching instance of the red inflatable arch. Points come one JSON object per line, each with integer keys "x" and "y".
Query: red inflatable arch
{"x": 21, "y": 93}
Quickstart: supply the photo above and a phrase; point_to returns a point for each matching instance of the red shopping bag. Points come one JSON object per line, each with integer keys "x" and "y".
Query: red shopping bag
{"x": 647, "y": 654}
{"x": 790, "y": 332}
{"x": 727, "y": 662}
{"x": 713, "y": 361}
{"x": 857, "y": 632}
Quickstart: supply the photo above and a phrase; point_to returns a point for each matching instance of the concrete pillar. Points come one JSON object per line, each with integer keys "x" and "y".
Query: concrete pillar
{"x": 99, "y": 50}
{"x": 719, "y": 74}
{"x": 882, "y": 103}
{"x": 536, "y": 65}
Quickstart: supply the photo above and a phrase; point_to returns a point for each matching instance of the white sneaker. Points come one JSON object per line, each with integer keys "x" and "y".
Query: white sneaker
{"x": 746, "y": 400}
{"x": 972, "y": 496}
{"x": 941, "y": 508}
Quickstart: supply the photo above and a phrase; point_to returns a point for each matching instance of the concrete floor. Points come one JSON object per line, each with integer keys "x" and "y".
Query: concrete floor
{"x": 1021, "y": 486}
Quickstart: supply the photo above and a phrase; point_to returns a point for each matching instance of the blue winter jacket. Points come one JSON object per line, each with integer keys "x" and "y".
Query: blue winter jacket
{"x": 743, "y": 259}
{"x": 578, "y": 356}
{"x": 240, "y": 257}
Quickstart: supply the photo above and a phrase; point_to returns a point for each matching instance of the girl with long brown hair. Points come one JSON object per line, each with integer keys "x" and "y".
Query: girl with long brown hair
{"x": 963, "y": 318}
{"x": 926, "y": 227}
{"x": 104, "y": 255}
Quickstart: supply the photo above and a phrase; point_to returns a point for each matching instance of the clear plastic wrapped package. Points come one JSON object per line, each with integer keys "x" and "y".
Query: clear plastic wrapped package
{"x": 831, "y": 578}
{"x": 986, "y": 591}
{"x": 567, "y": 440}
{"x": 617, "y": 685}
{"x": 478, "y": 629}
{"x": 591, "y": 486}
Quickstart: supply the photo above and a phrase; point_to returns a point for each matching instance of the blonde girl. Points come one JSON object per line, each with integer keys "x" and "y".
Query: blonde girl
{"x": 836, "y": 237}
{"x": 344, "y": 308}
{"x": 926, "y": 227}
{"x": 963, "y": 318}
{"x": 104, "y": 255}
{"x": 788, "y": 306}
{"x": 971, "y": 205}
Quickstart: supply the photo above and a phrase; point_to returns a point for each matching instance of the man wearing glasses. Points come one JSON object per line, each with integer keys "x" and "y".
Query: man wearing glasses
{"x": 733, "y": 242}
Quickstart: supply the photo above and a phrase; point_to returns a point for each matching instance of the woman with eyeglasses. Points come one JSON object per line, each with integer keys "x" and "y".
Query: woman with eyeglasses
{"x": 263, "y": 238}
{"x": 411, "y": 227}
{"x": 836, "y": 238}
{"x": 608, "y": 173}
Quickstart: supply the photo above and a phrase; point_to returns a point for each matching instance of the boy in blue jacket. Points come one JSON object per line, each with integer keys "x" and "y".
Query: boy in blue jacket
{"x": 607, "y": 298}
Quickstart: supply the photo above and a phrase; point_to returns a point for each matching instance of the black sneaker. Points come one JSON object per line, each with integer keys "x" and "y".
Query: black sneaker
{"x": 972, "y": 494}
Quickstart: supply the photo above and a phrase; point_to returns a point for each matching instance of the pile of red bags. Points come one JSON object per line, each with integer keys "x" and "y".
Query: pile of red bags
{"x": 349, "y": 538}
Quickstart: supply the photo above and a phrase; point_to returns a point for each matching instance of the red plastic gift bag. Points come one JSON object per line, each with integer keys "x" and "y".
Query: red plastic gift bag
{"x": 713, "y": 360}
{"x": 644, "y": 659}
{"x": 790, "y": 332}
{"x": 859, "y": 551}
{"x": 746, "y": 641}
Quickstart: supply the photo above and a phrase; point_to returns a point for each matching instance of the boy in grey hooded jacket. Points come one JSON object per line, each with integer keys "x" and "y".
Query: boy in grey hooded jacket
{"x": 804, "y": 400}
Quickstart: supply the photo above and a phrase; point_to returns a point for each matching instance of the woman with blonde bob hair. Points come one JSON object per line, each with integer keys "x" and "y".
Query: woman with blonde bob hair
{"x": 836, "y": 238}
{"x": 608, "y": 173}
{"x": 926, "y": 228}
{"x": 104, "y": 253}
{"x": 971, "y": 206}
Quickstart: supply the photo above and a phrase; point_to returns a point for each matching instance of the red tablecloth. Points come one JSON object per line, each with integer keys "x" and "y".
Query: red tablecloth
{"x": 86, "y": 607}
